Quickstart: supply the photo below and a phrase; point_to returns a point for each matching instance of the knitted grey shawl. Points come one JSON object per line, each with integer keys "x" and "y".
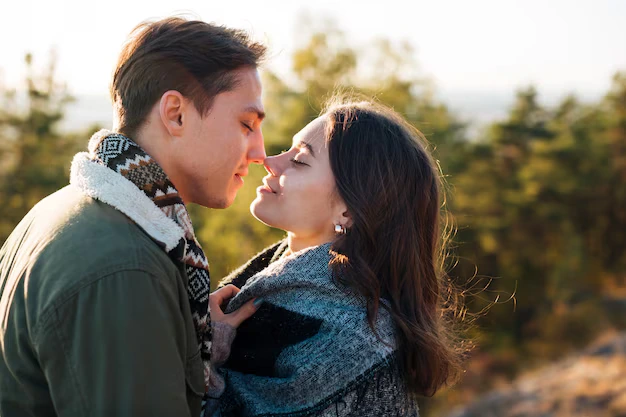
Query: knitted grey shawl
{"x": 309, "y": 351}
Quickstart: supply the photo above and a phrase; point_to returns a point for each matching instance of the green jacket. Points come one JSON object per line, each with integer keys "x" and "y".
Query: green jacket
{"x": 94, "y": 317}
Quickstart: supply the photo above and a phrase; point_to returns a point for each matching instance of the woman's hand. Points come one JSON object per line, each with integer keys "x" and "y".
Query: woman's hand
{"x": 224, "y": 330}
{"x": 234, "y": 319}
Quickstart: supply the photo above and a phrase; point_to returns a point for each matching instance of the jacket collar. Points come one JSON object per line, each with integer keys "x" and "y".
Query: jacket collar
{"x": 107, "y": 186}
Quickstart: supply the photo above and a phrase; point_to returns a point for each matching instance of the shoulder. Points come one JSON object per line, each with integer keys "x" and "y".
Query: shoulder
{"x": 256, "y": 264}
{"x": 91, "y": 236}
{"x": 69, "y": 240}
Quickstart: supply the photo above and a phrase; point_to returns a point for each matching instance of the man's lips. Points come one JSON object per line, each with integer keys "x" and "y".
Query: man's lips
{"x": 239, "y": 175}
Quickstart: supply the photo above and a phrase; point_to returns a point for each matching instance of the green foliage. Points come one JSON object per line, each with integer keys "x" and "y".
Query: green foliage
{"x": 542, "y": 199}
{"x": 34, "y": 156}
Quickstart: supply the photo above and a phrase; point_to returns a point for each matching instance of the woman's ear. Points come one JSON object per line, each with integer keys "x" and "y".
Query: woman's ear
{"x": 346, "y": 219}
{"x": 342, "y": 215}
{"x": 171, "y": 110}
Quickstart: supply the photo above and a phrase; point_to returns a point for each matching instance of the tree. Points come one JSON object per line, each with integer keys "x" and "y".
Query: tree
{"x": 34, "y": 156}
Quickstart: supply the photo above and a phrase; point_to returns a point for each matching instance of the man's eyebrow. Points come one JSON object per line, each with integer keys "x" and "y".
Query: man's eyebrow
{"x": 308, "y": 146}
{"x": 253, "y": 109}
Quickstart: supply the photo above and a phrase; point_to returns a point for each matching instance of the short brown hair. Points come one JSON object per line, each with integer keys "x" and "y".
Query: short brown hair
{"x": 192, "y": 57}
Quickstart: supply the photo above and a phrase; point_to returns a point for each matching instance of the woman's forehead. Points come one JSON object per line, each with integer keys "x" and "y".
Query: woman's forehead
{"x": 313, "y": 133}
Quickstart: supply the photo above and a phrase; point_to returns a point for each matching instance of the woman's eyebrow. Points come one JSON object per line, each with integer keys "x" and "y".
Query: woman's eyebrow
{"x": 307, "y": 146}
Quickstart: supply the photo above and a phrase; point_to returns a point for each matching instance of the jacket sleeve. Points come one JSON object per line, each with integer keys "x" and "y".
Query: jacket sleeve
{"x": 117, "y": 347}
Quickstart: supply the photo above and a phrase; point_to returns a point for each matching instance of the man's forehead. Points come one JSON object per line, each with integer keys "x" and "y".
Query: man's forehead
{"x": 247, "y": 86}
{"x": 249, "y": 82}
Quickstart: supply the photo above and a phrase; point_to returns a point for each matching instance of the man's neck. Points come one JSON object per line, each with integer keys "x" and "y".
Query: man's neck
{"x": 155, "y": 146}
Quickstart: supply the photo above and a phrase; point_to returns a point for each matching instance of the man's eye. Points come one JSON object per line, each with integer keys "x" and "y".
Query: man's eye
{"x": 247, "y": 127}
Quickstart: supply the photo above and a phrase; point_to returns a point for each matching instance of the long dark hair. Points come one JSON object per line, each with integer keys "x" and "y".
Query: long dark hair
{"x": 394, "y": 247}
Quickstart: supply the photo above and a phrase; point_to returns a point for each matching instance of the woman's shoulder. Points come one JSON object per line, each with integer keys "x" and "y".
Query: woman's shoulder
{"x": 257, "y": 263}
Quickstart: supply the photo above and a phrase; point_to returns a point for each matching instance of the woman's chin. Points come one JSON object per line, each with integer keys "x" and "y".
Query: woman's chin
{"x": 260, "y": 211}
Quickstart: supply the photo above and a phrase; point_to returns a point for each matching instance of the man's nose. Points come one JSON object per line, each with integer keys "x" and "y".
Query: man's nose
{"x": 256, "y": 152}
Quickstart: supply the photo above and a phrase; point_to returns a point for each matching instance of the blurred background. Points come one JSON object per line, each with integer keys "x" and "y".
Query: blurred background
{"x": 523, "y": 102}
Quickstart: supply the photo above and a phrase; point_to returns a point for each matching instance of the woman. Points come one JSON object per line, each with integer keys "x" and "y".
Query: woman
{"x": 350, "y": 320}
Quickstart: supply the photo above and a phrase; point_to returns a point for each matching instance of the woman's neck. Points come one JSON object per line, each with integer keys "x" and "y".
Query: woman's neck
{"x": 297, "y": 243}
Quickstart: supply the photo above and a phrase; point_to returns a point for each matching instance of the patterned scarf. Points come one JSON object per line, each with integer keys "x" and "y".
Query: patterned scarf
{"x": 126, "y": 158}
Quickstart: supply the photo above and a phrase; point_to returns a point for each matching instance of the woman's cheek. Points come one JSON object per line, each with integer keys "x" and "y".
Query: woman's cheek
{"x": 302, "y": 189}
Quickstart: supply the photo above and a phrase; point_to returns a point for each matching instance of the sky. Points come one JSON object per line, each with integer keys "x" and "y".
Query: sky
{"x": 477, "y": 46}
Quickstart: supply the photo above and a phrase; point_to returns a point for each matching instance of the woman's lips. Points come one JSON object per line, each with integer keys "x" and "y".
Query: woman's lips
{"x": 265, "y": 188}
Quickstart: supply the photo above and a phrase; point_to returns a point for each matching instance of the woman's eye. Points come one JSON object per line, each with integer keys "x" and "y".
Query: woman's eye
{"x": 247, "y": 127}
{"x": 296, "y": 162}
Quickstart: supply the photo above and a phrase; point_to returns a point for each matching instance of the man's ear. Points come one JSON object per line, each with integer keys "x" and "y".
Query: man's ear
{"x": 171, "y": 110}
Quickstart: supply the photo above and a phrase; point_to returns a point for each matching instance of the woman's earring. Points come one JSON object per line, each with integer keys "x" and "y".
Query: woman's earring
{"x": 340, "y": 230}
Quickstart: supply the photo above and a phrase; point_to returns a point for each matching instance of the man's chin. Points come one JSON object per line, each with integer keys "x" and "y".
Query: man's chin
{"x": 226, "y": 202}
{"x": 216, "y": 203}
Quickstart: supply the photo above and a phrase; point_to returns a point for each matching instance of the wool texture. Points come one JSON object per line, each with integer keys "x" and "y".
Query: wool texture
{"x": 308, "y": 350}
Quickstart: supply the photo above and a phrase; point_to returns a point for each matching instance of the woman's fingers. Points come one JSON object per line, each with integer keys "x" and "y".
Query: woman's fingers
{"x": 242, "y": 314}
{"x": 234, "y": 319}
{"x": 218, "y": 297}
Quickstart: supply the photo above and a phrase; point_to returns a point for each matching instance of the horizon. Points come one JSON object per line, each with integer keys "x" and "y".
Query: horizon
{"x": 477, "y": 108}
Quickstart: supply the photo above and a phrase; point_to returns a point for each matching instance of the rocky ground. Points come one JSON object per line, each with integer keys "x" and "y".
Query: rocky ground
{"x": 590, "y": 384}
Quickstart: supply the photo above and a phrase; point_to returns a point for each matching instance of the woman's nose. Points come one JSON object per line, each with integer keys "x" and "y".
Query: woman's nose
{"x": 271, "y": 166}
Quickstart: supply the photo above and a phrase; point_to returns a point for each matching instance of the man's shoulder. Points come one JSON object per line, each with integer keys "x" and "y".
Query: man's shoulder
{"x": 69, "y": 226}
{"x": 69, "y": 240}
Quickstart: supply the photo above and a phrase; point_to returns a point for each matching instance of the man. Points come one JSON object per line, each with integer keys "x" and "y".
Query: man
{"x": 103, "y": 286}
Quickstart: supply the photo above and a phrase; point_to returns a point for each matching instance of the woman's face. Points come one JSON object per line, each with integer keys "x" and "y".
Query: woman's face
{"x": 298, "y": 195}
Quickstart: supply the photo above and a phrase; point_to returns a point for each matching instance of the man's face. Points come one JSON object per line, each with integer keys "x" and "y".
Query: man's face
{"x": 215, "y": 150}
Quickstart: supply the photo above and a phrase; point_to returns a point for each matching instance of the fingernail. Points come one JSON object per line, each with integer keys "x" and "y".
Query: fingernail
{"x": 258, "y": 302}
